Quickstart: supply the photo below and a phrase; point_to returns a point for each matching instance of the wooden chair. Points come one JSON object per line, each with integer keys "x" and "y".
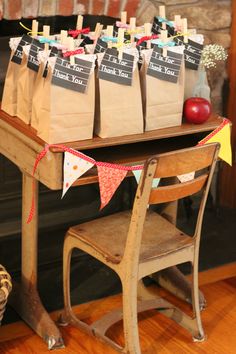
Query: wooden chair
{"x": 140, "y": 242}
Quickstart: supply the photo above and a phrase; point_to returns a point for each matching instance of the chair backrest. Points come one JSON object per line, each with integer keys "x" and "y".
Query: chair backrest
{"x": 165, "y": 166}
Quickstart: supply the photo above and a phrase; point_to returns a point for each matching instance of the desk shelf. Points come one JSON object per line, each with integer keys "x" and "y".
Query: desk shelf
{"x": 128, "y": 149}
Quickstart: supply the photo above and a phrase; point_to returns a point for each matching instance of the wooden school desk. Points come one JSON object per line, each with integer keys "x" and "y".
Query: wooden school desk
{"x": 19, "y": 144}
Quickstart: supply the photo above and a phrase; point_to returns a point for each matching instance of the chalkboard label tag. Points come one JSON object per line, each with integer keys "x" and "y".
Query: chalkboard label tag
{"x": 156, "y": 26}
{"x": 164, "y": 68}
{"x": 100, "y": 47}
{"x": 116, "y": 70}
{"x": 18, "y": 55}
{"x": 33, "y": 62}
{"x": 192, "y": 54}
{"x": 53, "y": 53}
{"x": 73, "y": 77}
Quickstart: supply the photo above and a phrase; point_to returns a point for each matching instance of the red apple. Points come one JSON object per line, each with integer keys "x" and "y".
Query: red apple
{"x": 197, "y": 110}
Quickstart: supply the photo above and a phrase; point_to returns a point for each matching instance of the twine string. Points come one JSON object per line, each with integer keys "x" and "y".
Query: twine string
{"x": 214, "y": 132}
{"x": 29, "y": 30}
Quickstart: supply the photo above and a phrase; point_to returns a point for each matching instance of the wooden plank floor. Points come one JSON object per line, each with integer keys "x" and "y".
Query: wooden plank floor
{"x": 157, "y": 333}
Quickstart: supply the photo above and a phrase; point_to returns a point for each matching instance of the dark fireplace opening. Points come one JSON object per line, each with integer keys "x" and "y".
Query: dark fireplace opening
{"x": 56, "y": 23}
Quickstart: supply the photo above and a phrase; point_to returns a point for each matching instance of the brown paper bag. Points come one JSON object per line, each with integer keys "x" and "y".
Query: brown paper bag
{"x": 162, "y": 100}
{"x": 9, "y": 98}
{"x": 25, "y": 88}
{"x": 37, "y": 97}
{"x": 42, "y": 57}
{"x": 66, "y": 115}
{"x": 118, "y": 108}
{"x": 13, "y": 76}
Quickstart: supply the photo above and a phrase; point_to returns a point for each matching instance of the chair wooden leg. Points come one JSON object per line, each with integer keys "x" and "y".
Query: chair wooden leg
{"x": 195, "y": 303}
{"x": 130, "y": 317}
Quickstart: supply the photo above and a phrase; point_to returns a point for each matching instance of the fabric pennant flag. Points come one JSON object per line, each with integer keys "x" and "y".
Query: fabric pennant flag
{"x": 74, "y": 167}
{"x": 221, "y": 135}
{"x": 109, "y": 180}
{"x": 186, "y": 177}
{"x": 137, "y": 175}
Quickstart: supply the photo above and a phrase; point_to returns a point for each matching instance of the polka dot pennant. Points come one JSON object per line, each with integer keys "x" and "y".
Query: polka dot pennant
{"x": 186, "y": 177}
{"x": 74, "y": 167}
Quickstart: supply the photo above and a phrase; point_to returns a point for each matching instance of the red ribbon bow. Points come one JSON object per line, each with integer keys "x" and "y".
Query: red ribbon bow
{"x": 147, "y": 38}
{"x": 73, "y": 52}
{"x": 75, "y": 33}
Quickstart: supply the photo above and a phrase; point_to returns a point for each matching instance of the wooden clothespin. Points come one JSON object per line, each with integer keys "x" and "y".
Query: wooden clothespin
{"x": 185, "y": 29}
{"x": 109, "y": 33}
{"x": 120, "y": 38}
{"x": 71, "y": 47}
{"x": 164, "y": 39}
{"x": 97, "y": 33}
{"x": 35, "y": 26}
{"x": 79, "y": 23}
{"x": 97, "y": 28}
{"x": 177, "y": 22}
{"x": 132, "y": 22}
{"x": 63, "y": 38}
{"x": 162, "y": 14}
{"x": 123, "y": 17}
{"x": 148, "y": 32}
{"x": 46, "y": 34}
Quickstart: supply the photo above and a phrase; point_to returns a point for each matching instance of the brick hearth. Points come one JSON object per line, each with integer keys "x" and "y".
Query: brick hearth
{"x": 16, "y": 9}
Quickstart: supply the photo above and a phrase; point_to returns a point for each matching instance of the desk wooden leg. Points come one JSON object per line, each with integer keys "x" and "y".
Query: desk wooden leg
{"x": 25, "y": 299}
{"x": 172, "y": 279}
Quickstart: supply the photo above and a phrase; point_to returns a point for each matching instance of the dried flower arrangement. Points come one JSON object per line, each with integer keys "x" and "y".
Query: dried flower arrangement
{"x": 211, "y": 54}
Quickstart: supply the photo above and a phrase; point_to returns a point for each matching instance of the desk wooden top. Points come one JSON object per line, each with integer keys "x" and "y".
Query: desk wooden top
{"x": 20, "y": 144}
{"x": 97, "y": 142}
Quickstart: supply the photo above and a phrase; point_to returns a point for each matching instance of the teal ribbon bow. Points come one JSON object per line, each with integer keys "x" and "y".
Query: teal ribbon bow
{"x": 109, "y": 39}
{"x": 46, "y": 40}
{"x": 164, "y": 20}
{"x": 167, "y": 44}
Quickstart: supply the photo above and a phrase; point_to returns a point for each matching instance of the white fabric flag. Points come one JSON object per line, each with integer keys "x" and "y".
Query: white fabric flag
{"x": 186, "y": 177}
{"x": 137, "y": 175}
{"x": 74, "y": 167}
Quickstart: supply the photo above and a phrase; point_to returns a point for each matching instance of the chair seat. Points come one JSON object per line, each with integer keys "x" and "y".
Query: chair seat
{"x": 107, "y": 235}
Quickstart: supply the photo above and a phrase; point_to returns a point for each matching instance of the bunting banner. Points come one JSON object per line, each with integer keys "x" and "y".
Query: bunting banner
{"x": 111, "y": 175}
{"x": 221, "y": 135}
{"x": 137, "y": 175}
{"x": 74, "y": 167}
{"x": 186, "y": 177}
{"x": 109, "y": 180}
